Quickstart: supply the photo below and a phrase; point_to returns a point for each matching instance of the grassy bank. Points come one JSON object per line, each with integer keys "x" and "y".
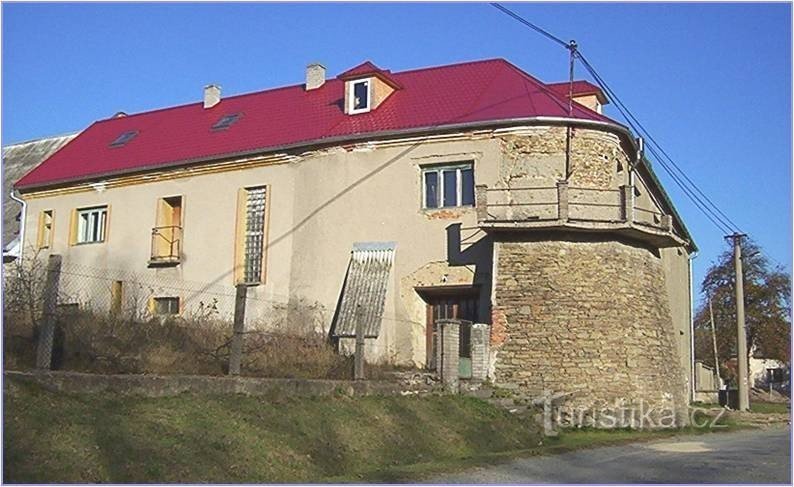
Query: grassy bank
{"x": 52, "y": 437}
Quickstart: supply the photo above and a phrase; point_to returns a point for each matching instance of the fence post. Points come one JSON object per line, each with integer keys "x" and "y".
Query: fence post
{"x": 358, "y": 366}
{"x": 449, "y": 343}
{"x": 47, "y": 328}
{"x": 116, "y": 293}
{"x": 236, "y": 349}
{"x": 562, "y": 200}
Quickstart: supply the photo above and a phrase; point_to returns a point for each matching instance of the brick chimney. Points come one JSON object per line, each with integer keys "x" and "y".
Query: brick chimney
{"x": 212, "y": 95}
{"x": 315, "y": 76}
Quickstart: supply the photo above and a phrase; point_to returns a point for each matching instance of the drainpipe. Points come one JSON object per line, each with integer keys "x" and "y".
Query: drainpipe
{"x": 21, "y": 221}
{"x": 691, "y": 331}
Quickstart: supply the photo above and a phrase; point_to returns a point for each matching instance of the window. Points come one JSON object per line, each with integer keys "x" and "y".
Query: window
{"x": 226, "y": 121}
{"x": 359, "y": 96}
{"x": 91, "y": 223}
{"x": 167, "y": 233}
{"x": 45, "y": 229}
{"x": 251, "y": 234}
{"x": 125, "y": 137}
{"x": 448, "y": 186}
{"x": 165, "y": 306}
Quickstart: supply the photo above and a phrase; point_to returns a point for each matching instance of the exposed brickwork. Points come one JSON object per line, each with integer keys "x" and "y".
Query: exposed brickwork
{"x": 539, "y": 155}
{"x": 586, "y": 316}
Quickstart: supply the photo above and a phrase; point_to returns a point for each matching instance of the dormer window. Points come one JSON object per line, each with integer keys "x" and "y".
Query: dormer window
{"x": 359, "y": 96}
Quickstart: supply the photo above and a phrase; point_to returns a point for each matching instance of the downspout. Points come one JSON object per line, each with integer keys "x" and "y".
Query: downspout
{"x": 22, "y": 220}
{"x": 691, "y": 330}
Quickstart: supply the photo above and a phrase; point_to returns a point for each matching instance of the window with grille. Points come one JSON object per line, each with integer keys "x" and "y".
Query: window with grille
{"x": 91, "y": 223}
{"x": 253, "y": 247}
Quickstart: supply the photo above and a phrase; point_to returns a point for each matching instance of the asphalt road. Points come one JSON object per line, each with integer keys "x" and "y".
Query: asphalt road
{"x": 757, "y": 457}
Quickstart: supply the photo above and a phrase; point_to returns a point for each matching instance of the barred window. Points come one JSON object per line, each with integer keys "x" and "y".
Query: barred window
{"x": 254, "y": 234}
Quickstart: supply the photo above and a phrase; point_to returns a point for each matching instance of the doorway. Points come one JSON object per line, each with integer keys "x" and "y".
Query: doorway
{"x": 448, "y": 303}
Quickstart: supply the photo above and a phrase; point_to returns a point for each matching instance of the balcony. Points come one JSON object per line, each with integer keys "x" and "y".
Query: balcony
{"x": 166, "y": 246}
{"x": 565, "y": 208}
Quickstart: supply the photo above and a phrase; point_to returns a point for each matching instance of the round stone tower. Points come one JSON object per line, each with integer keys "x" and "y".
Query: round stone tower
{"x": 581, "y": 302}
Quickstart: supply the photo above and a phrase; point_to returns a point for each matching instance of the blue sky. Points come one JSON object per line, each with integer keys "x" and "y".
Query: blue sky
{"x": 711, "y": 82}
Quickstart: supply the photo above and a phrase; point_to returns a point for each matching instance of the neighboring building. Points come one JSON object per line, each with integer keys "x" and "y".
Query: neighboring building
{"x": 411, "y": 196}
{"x": 19, "y": 159}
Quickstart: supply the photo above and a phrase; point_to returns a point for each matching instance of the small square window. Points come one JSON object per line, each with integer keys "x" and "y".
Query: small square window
{"x": 166, "y": 306}
{"x": 226, "y": 121}
{"x": 124, "y": 138}
{"x": 448, "y": 186}
{"x": 359, "y": 95}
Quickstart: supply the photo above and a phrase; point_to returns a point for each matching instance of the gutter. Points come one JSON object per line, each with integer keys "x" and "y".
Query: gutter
{"x": 22, "y": 221}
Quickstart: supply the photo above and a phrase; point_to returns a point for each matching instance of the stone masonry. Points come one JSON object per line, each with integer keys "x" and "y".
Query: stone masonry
{"x": 589, "y": 317}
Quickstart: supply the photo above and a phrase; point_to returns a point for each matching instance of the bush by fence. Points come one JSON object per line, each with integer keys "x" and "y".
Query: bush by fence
{"x": 98, "y": 330}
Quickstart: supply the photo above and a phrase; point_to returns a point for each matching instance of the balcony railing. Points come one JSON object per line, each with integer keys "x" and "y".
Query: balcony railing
{"x": 166, "y": 245}
{"x": 563, "y": 206}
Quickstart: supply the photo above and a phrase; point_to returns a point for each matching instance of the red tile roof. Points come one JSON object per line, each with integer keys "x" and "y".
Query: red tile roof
{"x": 430, "y": 98}
{"x": 580, "y": 88}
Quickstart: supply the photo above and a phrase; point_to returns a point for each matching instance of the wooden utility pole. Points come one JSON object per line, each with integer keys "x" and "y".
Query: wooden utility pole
{"x": 741, "y": 332}
{"x": 714, "y": 342}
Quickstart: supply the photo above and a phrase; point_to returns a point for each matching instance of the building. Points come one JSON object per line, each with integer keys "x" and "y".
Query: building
{"x": 471, "y": 190}
{"x": 18, "y": 159}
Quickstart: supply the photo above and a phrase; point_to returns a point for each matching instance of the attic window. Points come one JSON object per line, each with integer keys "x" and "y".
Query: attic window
{"x": 359, "y": 94}
{"x": 226, "y": 121}
{"x": 125, "y": 137}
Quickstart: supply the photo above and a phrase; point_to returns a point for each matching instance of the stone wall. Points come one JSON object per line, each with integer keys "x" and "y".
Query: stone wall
{"x": 585, "y": 316}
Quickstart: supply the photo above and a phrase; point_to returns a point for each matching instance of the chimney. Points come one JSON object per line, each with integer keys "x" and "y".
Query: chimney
{"x": 212, "y": 95}
{"x": 315, "y": 76}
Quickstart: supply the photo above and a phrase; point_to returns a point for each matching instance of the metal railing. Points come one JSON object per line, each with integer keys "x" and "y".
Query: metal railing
{"x": 563, "y": 203}
{"x": 166, "y": 244}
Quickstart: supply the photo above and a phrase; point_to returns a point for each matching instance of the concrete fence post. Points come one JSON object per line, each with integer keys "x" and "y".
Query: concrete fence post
{"x": 236, "y": 348}
{"x": 480, "y": 351}
{"x": 358, "y": 364}
{"x": 449, "y": 359}
{"x": 47, "y": 328}
{"x": 562, "y": 201}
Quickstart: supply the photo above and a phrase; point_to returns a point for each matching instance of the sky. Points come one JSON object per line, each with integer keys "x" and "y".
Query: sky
{"x": 711, "y": 82}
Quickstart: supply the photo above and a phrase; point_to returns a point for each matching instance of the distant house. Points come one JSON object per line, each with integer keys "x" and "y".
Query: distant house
{"x": 472, "y": 191}
{"x": 19, "y": 159}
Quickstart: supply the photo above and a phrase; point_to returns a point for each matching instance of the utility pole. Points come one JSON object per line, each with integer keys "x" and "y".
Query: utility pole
{"x": 569, "y": 131}
{"x": 741, "y": 332}
{"x": 714, "y": 342}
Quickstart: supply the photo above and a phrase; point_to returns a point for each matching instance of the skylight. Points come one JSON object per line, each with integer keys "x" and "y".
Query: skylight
{"x": 226, "y": 121}
{"x": 125, "y": 137}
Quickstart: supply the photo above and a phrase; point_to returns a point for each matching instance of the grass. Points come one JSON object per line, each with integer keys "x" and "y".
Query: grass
{"x": 769, "y": 407}
{"x": 107, "y": 437}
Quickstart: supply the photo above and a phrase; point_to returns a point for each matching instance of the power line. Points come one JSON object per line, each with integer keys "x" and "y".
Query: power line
{"x": 530, "y": 25}
{"x": 690, "y": 189}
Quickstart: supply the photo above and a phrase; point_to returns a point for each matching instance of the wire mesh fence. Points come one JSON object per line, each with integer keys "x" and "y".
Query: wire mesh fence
{"x": 120, "y": 321}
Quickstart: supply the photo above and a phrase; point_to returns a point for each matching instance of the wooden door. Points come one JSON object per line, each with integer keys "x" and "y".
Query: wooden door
{"x": 460, "y": 306}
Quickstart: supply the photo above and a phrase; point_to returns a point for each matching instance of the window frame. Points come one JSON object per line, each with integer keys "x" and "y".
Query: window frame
{"x": 439, "y": 169}
{"x": 41, "y": 241}
{"x": 157, "y": 299}
{"x": 240, "y": 235}
{"x": 351, "y": 96}
{"x": 103, "y": 212}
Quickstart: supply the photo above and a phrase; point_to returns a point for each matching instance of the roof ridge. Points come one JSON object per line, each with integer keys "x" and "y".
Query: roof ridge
{"x": 297, "y": 85}
{"x": 39, "y": 139}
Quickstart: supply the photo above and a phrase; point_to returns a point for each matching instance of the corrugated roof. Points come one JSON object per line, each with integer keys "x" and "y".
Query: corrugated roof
{"x": 365, "y": 286}
{"x": 17, "y": 160}
{"x": 429, "y": 98}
